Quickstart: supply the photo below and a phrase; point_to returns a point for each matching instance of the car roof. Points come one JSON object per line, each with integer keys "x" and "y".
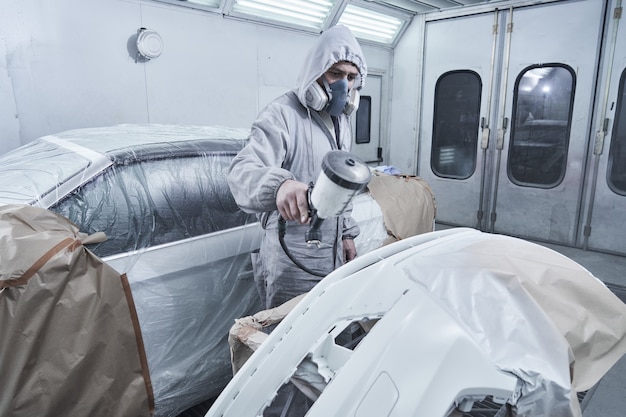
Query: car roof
{"x": 47, "y": 168}
{"x": 112, "y": 140}
{"x": 136, "y": 142}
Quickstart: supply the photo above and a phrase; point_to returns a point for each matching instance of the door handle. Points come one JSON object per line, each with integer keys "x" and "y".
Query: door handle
{"x": 501, "y": 132}
{"x": 484, "y": 142}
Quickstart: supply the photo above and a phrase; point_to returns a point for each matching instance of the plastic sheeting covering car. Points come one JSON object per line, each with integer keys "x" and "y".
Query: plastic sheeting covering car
{"x": 159, "y": 192}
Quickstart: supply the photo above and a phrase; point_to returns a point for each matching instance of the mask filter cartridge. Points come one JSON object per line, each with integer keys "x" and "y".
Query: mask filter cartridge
{"x": 338, "y": 97}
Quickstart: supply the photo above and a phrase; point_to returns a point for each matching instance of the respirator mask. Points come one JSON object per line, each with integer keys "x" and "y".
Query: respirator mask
{"x": 335, "y": 98}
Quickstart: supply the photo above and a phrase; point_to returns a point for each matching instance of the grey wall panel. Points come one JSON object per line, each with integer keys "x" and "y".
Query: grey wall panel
{"x": 207, "y": 73}
{"x": 69, "y": 67}
{"x": 9, "y": 123}
{"x": 405, "y": 98}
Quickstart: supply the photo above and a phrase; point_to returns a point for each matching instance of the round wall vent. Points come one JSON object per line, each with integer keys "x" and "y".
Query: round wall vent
{"x": 149, "y": 43}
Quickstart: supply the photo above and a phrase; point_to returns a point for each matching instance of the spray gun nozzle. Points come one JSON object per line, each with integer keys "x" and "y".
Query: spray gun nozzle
{"x": 313, "y": 236}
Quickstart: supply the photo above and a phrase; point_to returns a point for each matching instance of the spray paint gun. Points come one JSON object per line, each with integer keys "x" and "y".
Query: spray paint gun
{"x": 343, "y": 176}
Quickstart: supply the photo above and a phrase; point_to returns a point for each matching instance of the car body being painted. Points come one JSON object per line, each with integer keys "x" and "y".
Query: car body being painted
{"x": 450, "y": 317}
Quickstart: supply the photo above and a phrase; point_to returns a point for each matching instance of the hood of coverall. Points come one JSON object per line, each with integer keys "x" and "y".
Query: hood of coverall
{"x": 334, "y": 44}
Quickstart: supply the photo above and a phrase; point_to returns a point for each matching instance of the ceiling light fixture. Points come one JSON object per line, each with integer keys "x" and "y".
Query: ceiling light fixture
{"x": 370, "y": 25}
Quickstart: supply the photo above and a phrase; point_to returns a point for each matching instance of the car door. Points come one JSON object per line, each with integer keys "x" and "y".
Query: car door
{"x": 176, "y": 232}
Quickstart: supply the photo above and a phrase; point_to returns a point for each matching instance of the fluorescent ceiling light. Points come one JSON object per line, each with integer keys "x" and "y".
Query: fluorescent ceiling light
{"x": 308, "y": 13}
{"x": 371, "y": 25}
{"x": 210, "y": 3}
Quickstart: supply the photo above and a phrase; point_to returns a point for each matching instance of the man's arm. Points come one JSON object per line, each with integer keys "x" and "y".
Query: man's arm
{"x": 255, "y": 174}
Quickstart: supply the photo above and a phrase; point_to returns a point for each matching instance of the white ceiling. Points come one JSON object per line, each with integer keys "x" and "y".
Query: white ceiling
{"x": 425, "y": 6}
{"x": 333, "y": 11}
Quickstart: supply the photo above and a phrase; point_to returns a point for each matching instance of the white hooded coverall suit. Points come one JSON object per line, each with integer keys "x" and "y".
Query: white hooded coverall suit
{"x": 288, "y": 141}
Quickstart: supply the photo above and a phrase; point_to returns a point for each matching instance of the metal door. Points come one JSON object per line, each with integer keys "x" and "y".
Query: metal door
{"x": 540, "y": 161}
{"x": 458, "y": 62}
{"x": 366, "y": 122}
{"x": 533, "y": 132}
{"x": 605, "y": 221}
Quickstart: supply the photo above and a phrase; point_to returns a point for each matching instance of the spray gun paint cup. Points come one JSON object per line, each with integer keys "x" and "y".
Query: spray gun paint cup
{"x": 343, "y": 176}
